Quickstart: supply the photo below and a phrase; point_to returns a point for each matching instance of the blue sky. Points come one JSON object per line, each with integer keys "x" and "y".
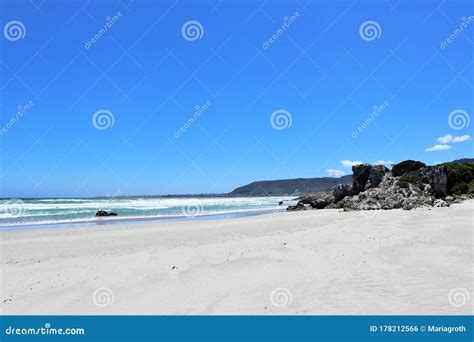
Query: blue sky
{"x": 322, "y": 75}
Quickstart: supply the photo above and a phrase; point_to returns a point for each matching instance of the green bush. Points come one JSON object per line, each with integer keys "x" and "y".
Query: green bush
{"x": 460, "y": 178}
{"x": 410, "y": 177}
{"x": 459, "y": 188}
{"x": 406, "y": 166}
{"x": 470, "y": 189}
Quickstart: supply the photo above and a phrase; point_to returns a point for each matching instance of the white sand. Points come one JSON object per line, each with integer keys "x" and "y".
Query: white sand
{"x": 327, "y": 262}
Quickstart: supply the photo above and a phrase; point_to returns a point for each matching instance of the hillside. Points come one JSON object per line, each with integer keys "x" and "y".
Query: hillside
{"x": 294, "y": 187}
{"x": 462, "y": 161}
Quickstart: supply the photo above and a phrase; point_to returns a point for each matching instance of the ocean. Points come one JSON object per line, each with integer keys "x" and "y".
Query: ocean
{"x": 17, "y": 213}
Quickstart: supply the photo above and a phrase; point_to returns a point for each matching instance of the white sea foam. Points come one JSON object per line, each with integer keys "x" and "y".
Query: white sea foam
{"x": 66, "y": 211}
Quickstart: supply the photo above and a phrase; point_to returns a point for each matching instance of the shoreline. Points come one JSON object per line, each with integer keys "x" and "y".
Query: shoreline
{"x": 316, "y": 262}
{"x": 19, "y": 214}
{"x": 111, "y": 220}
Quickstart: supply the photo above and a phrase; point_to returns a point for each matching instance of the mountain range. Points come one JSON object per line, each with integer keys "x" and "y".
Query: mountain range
{"x": 293, "y": 187}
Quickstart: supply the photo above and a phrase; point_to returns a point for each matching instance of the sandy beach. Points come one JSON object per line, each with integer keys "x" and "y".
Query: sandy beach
{"x": 314, "y": 262}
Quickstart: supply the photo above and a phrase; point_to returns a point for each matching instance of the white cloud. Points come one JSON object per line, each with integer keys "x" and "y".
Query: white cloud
{"x": 350, "y": 163}
{"x": 438, "y": 148}
{"x": 461, "y": 138}
{"x": 384, "y": 162}
{"x": 449, "y": 138}
{"x": 335, "y": 173}
{"x": 445, "y": 139}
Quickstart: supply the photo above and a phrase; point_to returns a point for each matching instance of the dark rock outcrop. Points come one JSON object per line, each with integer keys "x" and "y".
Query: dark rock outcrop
{"x": 298, "y": 206}
{"x": 319, "y": 204}
{"x": 388, "y": 195}
{"x": 376, "y": 175}
{"x": 319, "y": 200}
{"x": 375, "y": 187}
{"x": 437, "y": 178}
{"x": 102, "y": 213}
{"x": 360, "y": 176}
{"x": 340, "y": 191}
